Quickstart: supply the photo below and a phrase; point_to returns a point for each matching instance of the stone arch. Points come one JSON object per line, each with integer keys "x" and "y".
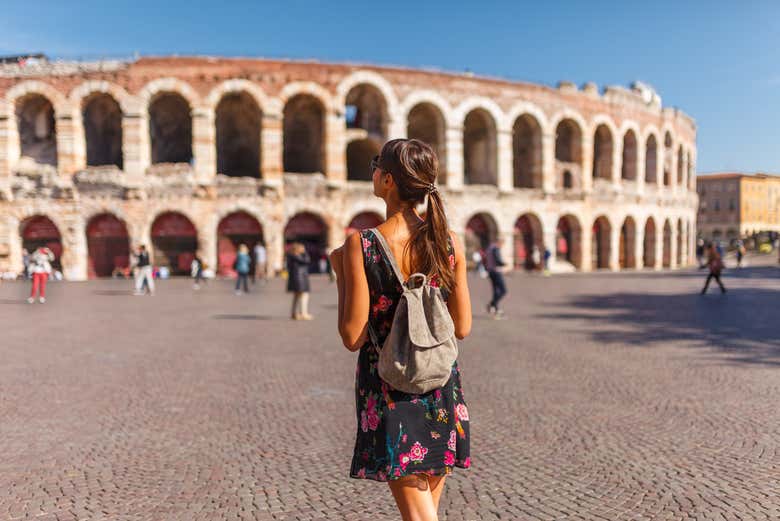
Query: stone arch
{"x": 668, "y": 158}
{"x": 527, "y": 152}
{"x": 651, "y": 159}
{"x": 480, "y": 148}
{"x": 430, "y": 97}
{"x": 680, "y": 244}
{"x": 666, "y": 255}
{"x": 170, "y": 128}
{"x": 108, "y": 246}
{"x": 528, "y": 233}
{"x": 238, "y": 120}
{"x": 369, "y": 78}
{"x": 480, "y": 231}
{"x": 30, "y": 87}
{"x": 648, "y": 250}
{"x": 680, "y": 166}
{"x": 601, "y": 243}
{"x": 239, "y": 86}
{"x": 363, "y": 221}
{"x": 311, "y": 230}
{"x": 425, "y": 121}
{"x": 236, "y": 228}
{"x": 628, "y": 168}
{"x": 603, "y": 146}
{"x": 79, "y": 95}
{"x": 36, "y": 128}
{"x": 174, "y": 240}
{"x": 568, "y": 240}
{"x": 101, "y": 117}
{"x": 304, "y": 134}
{"x": 627, "y": 246}
{"x": 568, "y": 153}
{"x": 167, "y": 85}
{"x": 39, "y": 230}
{"x": 368, "y": 120}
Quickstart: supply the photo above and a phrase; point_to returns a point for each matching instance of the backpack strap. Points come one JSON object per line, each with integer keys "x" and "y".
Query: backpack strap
{"x": 389, "y": 254}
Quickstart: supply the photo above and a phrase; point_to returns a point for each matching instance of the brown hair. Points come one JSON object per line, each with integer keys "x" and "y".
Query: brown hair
{"x": 414, "y": 167}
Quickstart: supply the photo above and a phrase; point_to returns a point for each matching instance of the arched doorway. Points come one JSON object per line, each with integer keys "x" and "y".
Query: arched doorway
{"x": 568, "y": 244}
{"x": 527, "y": 152}
{"x": 102, "y": 119}
{"x": 233, "y": 230}
{"x": 680, "y": 242}
{"x": 310, "y": 230}
{"x": 40, "y": 231}
{"x": 367, "y": 122}
{"x": 108, "y": 245}
{"x": 528, "y": 233}
{"x": 175, "y": 242}
{"x": 648, "y": 255}
{"x": 600, "y": 246}
{"x": 479, "y": 149}
{"x": 37, "y": 130}
{"x": 602, "y": 153}
{"x": 568, "y": 155}
{"x": 651, "y": 160}
{"x": 481, "y": 231}
{"x": 628, "y": 165}
{"x": 363, "y": 221}
{"x": 238, "y": 129}
{"x": 303, "y": 138}
{"x": 628, "y": 243}
{"x": 667, "y": 245}
{"x": 170, "y": 129}
{"x": 426, "y": 123}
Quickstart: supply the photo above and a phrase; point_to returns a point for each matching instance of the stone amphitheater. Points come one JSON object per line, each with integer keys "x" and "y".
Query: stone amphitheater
{"x": 195, "y": 155}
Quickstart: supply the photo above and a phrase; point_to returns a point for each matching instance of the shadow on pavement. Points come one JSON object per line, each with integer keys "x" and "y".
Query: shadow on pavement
{"x": 241, "y": 317}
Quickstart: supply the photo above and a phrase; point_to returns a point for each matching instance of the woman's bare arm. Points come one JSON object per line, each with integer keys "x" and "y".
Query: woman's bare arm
{"x": 459, "y": 301}
{"x": 353, "y": 325}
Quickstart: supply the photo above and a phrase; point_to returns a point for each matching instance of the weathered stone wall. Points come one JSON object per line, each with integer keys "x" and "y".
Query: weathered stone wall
{"x": 511, "y": 156}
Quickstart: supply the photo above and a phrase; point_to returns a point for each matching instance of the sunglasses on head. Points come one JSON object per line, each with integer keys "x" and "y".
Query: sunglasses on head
{"x": 374, "y": 165}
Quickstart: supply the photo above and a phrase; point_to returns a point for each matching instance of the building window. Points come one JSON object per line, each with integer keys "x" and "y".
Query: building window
{"x": 732, "y": 206}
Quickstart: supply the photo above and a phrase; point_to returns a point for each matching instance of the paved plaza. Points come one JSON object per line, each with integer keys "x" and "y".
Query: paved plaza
{"x": 601, "y": 396}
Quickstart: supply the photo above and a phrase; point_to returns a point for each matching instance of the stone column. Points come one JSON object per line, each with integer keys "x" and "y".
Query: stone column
{"x": 7, "y": 146}
{"x": 673, "y": 248}
{"x": 548, "y": 163}
{"x": 586, "y": 243}
{"x": 639, "y": 246}
{"x": 617, "y": 162}
{"x": 272, "y": 148}
{"x": 507, "y": 250}
{"x": 659, "y": 246}
{"x": 204, "y": 152}
{"x": 641, "y": 175}
{"x": 587, "y": 165}
{"x": 74, "y": 248}
{"x": 614, "y": 247}
{"x": 66, "y": 153}
{"x": 207, "y": 244}
{"x": 335, "y": 147}
{"x": 136, "y": 155}
{"x": 504, "y": 179}
{"x": 455, "y": 157}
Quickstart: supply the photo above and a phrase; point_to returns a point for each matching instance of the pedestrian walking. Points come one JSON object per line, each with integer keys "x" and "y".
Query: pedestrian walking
{"x": 547, "y": 255}
{"x": 242, "y": 265}
{"x": 261, "y": 262}
{"x": 40, "y": 268}
{"x": 298, "y": 262}
{"x": 144, "y": 275}
{"x": 715, "y": 265}
{"x": 412, "y": 441}
{"x": 740, "y": 253}
{"x": 495, "y": 264}
{"x": 536, "y": 258}
{"x": 196, "y": 271}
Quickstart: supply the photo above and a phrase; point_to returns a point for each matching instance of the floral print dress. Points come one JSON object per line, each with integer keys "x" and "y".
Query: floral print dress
{"x": 401, "y": 434}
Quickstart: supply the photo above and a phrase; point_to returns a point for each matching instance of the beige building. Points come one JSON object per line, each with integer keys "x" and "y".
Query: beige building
{"x": 195, "y": 155}
{"x": 735, "y": 206}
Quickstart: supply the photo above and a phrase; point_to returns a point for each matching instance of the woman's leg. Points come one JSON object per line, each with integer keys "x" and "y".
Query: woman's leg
{"x": 45, "y": 277}
{"x": 707, "y": 283}
{"x": 414, "y": 498}
{"x": 437, "y": 487}
{"x": 296, "y": 298}
{"x": 35, "y": 284}
{"x": 305, "y": 304}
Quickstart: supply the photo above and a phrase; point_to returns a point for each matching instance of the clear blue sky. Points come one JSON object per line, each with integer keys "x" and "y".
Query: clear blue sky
{"x": 717, "y": 60}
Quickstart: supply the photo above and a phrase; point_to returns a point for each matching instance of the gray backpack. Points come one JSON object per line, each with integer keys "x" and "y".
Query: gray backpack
{"x": 419, "y": 351}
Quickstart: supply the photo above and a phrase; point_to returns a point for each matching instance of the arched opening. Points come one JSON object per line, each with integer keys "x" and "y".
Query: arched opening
{"x": 666, "y": 256}
{"x": 426, "y": 123}
{"x": 170, "y": 129}
{"x": 175, "y": 242}
{"x": 102, "y": 120}
{"x": 602, "y": 153}
{"x": 668, "y": 157}
{"x": 481, "y": 231}
{"x": 648, "y": 252}
{"x": 528, "y": 234}
{"x": 600, "y": 244}
{"x": 233, "y": 230}
{"x": 527, "y": 152}
{"x": 628, "y": 168}
{"x": 479, "y": 149}
{"x": 628, "y": 243}
{"x": 568, "y": 243}
{"x": 363, "y": 221}
{"x": 37, "y": 131}
{"x": 359, "y": 155}
{"x": 310, "y": 230}
{"x": 108, "y": 246}
{"x": 680, "y": 243}
{"x": 568, "y": 154}
{"x": 238, "y": 122}
{"x": 651, "y": 160}
{"x": 40, "y": 231}
{"x": 367, "y": 120}
{"x": 680, "y": 167}
{"x": 304, "y": 135}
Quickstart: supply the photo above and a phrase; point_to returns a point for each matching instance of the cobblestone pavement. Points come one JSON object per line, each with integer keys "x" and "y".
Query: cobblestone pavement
{"x": 604, "y": 396}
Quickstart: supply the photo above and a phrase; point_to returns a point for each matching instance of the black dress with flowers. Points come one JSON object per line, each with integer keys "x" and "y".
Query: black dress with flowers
{"x": 400, "y": 434}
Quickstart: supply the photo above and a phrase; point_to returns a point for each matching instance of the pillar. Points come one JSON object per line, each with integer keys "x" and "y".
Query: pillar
{"x": 66, "y": 137}
{"x": 136, "y": 153}
{"x": 548, "y": 163}
{"x": 455, "y": 157}
{"x": 271, "y": 148}
{"x": 504, "y": 152}
{"x": 587, "y": 165}
{"x": 335, "y": 147}
{"x": 204, "y": 150}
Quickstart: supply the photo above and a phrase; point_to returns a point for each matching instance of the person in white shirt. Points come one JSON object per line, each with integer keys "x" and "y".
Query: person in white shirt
{"x": 40, "y": 268}
{"x": 261, "y": 259}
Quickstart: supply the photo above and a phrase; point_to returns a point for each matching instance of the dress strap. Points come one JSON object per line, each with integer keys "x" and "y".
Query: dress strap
{"x": 389, "y": 254}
